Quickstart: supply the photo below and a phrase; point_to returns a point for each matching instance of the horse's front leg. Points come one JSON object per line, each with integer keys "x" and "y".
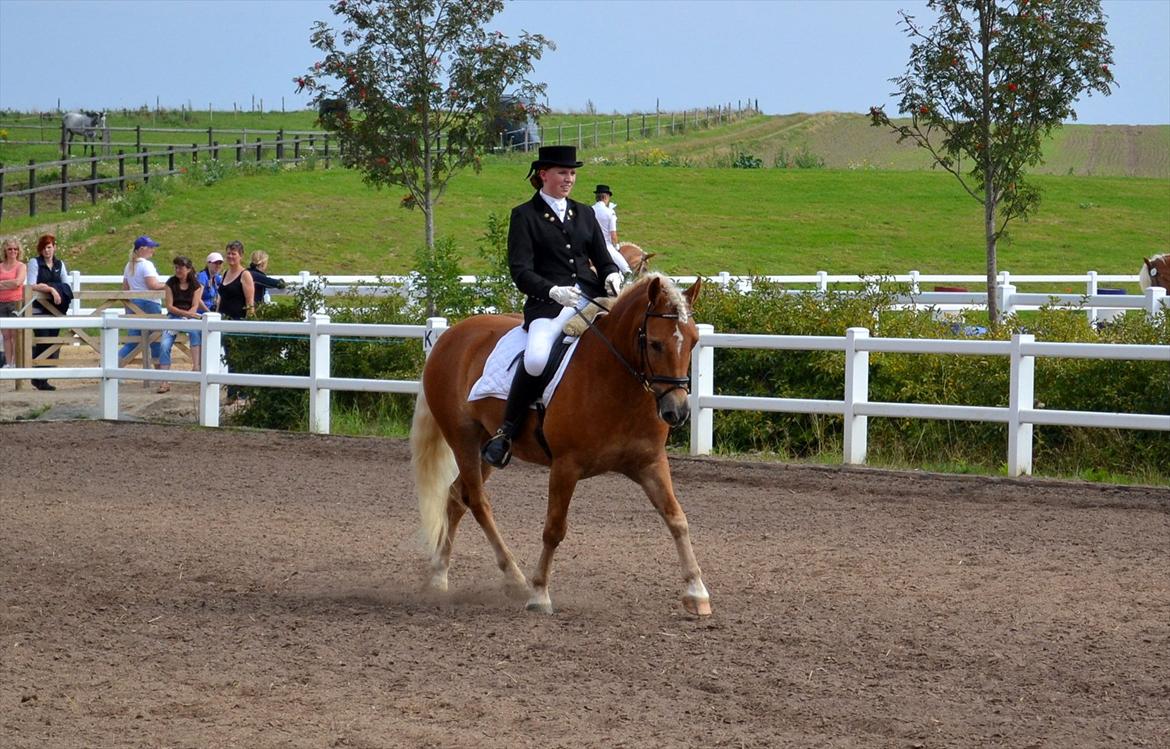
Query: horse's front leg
{"x": 655, "y": 481}
{"x": 561, "y": 483}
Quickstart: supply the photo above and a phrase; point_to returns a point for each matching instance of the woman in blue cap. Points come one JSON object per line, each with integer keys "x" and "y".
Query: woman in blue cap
{"x": 552, "y": 240}
{"x": 141, "y": 275}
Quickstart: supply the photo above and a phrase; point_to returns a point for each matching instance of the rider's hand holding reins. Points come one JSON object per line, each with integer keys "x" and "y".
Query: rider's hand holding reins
{"x": 566, "y": 296}
{"x": 613, "y": 284}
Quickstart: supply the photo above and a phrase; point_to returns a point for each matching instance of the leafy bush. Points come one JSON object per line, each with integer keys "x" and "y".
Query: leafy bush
{"x": 1072, "y": 384}
{"x": 745, "y": 160}
{"x": 802, "y": 159}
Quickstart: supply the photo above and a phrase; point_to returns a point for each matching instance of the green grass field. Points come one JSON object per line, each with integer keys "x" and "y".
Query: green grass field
{"x": 700, "y": 219}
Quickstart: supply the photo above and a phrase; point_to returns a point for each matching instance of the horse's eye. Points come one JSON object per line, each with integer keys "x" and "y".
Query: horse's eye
{"x": 656, "y": 346}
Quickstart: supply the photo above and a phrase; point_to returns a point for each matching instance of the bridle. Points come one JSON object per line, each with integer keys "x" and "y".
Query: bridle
{"x": 645, "y": 375}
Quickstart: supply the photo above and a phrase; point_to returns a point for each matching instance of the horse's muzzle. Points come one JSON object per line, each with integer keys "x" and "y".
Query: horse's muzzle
{"x": 674, "y": 408}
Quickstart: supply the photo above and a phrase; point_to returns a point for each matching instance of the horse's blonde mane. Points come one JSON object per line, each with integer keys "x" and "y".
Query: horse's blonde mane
{"x": 673, "y": 293}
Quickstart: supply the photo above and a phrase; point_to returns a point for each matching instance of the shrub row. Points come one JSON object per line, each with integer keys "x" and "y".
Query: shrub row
{"x": 1073, "y": 384}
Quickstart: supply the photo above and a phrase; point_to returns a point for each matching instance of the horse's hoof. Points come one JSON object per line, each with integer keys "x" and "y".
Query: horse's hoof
{"x": 438, "y": 582}
{"x": 539, "y": 607}
{"x": 696, "y": 606}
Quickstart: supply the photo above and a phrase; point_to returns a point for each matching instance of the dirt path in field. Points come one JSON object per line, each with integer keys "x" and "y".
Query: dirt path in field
{"x": 167, "y": 586}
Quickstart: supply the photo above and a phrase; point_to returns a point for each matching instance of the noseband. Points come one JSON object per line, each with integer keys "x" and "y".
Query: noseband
{"x": 645, "y": 375}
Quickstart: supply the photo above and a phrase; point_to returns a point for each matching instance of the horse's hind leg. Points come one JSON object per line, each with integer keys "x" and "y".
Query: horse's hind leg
{"x": 655, "y": 481}
{"x": 561, "y": 483}
{"x": 441, "y": 560}
{"x": 473, "y": 472}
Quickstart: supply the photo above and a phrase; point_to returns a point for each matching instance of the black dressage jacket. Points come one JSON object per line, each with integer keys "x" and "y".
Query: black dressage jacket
{"x": 543, "y": 253}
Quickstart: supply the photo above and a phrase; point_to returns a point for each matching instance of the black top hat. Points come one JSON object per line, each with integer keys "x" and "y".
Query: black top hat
{"x": 603, "y": 189}
{"x": 555, "y": 156}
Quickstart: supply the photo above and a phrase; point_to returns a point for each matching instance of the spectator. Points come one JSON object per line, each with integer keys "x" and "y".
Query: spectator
{"x": 12, "y": 273}
{"x": 607, "y": 218}
{"x": 258, "y": 269}
{"x": 236, "y": 297}
{"x": 141, "y": 275}
{"x": 182, "y": 301}
{"x": 209, "y": 279}
{"x": 47, "y": 274}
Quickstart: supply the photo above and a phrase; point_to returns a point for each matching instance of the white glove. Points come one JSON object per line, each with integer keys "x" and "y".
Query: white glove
{"x": 566, "y": 296}
{"x": 613, "y": 284}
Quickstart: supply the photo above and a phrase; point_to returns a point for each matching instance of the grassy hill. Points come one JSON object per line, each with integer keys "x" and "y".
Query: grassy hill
{"x": 874, "y": 209}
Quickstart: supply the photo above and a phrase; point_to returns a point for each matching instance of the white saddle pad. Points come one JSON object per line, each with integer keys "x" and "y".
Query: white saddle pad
{"x": 500, "y": 368}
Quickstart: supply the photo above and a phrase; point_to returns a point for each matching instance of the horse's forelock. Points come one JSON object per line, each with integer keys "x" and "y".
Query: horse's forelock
{"x": 674, "y": 296}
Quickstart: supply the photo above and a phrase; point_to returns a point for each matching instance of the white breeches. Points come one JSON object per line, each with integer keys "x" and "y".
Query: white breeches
{"x": 622, "y": 265}
{"x": 543, "y": 333}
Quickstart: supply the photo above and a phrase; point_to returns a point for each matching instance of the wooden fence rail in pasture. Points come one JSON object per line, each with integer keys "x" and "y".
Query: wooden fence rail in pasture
{"x": 855, "y": 407}
{"x": 145, "y": 163}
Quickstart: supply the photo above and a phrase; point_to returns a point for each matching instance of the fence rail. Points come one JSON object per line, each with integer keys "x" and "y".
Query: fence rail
{"x": 283, "y": 149}
{"x": 1100, "y": 303}
{"x": 854, "y": 407}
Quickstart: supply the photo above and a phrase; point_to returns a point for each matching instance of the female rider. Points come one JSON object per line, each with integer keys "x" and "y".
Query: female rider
{"x": 551, "y": 242}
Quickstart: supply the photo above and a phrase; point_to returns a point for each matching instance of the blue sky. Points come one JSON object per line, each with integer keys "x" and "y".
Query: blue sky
{"x": 620, "y": 55}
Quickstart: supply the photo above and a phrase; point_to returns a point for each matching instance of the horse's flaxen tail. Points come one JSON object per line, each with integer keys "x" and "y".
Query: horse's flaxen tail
{"x": 434, "y": 470}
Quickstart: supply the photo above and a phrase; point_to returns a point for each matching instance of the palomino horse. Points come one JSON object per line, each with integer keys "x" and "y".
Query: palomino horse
{"x": 625, "y": 386}
{"x": 1155, "y": 272}
{"x": 637, "y": 258}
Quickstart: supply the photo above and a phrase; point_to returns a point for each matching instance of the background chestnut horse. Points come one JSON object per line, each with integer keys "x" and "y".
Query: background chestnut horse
{"x": 605, "y": 416}
{"x": 1155, "y": 272}
{"x": 637, "y": 258}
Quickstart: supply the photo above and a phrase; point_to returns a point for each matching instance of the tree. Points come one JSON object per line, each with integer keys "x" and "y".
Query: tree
{"x": 410, "y": 87}
{"x": 987, "y": 84}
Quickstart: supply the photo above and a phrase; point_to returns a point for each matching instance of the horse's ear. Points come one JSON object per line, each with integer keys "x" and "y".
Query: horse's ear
{"x": 654, "y": 289}
{"x": 647, "y": 256}
{"x": 692, "y": 293}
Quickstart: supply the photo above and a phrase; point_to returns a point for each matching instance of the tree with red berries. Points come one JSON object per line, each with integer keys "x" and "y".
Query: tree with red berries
{"x": 987, "y": 84}
{"x": 410, "y": 88}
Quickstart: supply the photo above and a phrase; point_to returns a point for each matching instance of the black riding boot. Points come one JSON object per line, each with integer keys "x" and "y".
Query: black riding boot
{"x": 523, "y": 393}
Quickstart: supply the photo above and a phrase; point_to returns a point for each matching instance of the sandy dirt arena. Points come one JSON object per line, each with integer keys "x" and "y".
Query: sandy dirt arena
{"x": 169, "y": 586}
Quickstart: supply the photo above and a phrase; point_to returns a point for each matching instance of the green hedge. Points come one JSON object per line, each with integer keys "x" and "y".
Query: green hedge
{"x": 1071, "y": 384}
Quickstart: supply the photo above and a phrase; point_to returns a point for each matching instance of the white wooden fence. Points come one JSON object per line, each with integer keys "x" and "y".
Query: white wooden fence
{"x": 855, "y": 407}
{"x": 1100, "y": 303}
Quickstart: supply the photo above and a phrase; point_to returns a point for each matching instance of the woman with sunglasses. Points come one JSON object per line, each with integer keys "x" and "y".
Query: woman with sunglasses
{"x": 12, "y": 273}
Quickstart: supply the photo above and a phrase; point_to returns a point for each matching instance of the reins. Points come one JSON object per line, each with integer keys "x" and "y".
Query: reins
{"x": 648, "y": 381}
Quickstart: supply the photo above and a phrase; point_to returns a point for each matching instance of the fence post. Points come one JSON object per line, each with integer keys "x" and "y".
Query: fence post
{"x": 296, "y": 148}
{"x": 1155, "y": 301}
{"x": 137, "y": 138}
{"x": 194, "y": 153}
{"x": 93, "y": 188}
{"x": 435, "y": 328}
{"x": 1021, "y": 398}
{"x": 212, "y": 365}
{"x": 145, "y": 168}
{"x": 318, "y": 370}
{"x": 1, "y": 191}
{"x": 121, "y": 171}
{"x": 1003, "y": 297}
{"x": 326, "y": 150}
{"x": 702, "y": 385}
{"x": 171, "y": 159}
{"x": 280, "y": 144}
{"x": 108, "y": 360}
{"x": 32, "y": 183}
{"x": 822, "y": 281}
{"x": 1091, "y": 290}
{"x": 75, "y": 285}
{"x": 239, "y": 152}
{"x": 65, "y": 187}
{"x": 915, "y": 286}
{"x": 856, "y": 435}
{"x": 259, "y": 148}
{"x": 210, "y": 137}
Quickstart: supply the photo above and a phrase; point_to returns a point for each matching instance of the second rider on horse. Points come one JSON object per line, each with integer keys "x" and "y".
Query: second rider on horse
{"x": 558, "y": 258}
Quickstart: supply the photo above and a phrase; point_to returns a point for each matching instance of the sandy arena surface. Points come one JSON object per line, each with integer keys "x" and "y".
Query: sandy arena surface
{"x": 168, "y": 586}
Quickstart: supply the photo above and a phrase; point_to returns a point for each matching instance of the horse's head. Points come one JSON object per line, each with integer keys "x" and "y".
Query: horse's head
{"x": 637, "y": 258}
{"x": 657, "y": 315}
{"x": 1155, "y": 272}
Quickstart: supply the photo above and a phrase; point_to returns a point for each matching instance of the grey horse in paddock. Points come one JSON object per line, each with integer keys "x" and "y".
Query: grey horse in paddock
{"x": 87, "y": 125}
